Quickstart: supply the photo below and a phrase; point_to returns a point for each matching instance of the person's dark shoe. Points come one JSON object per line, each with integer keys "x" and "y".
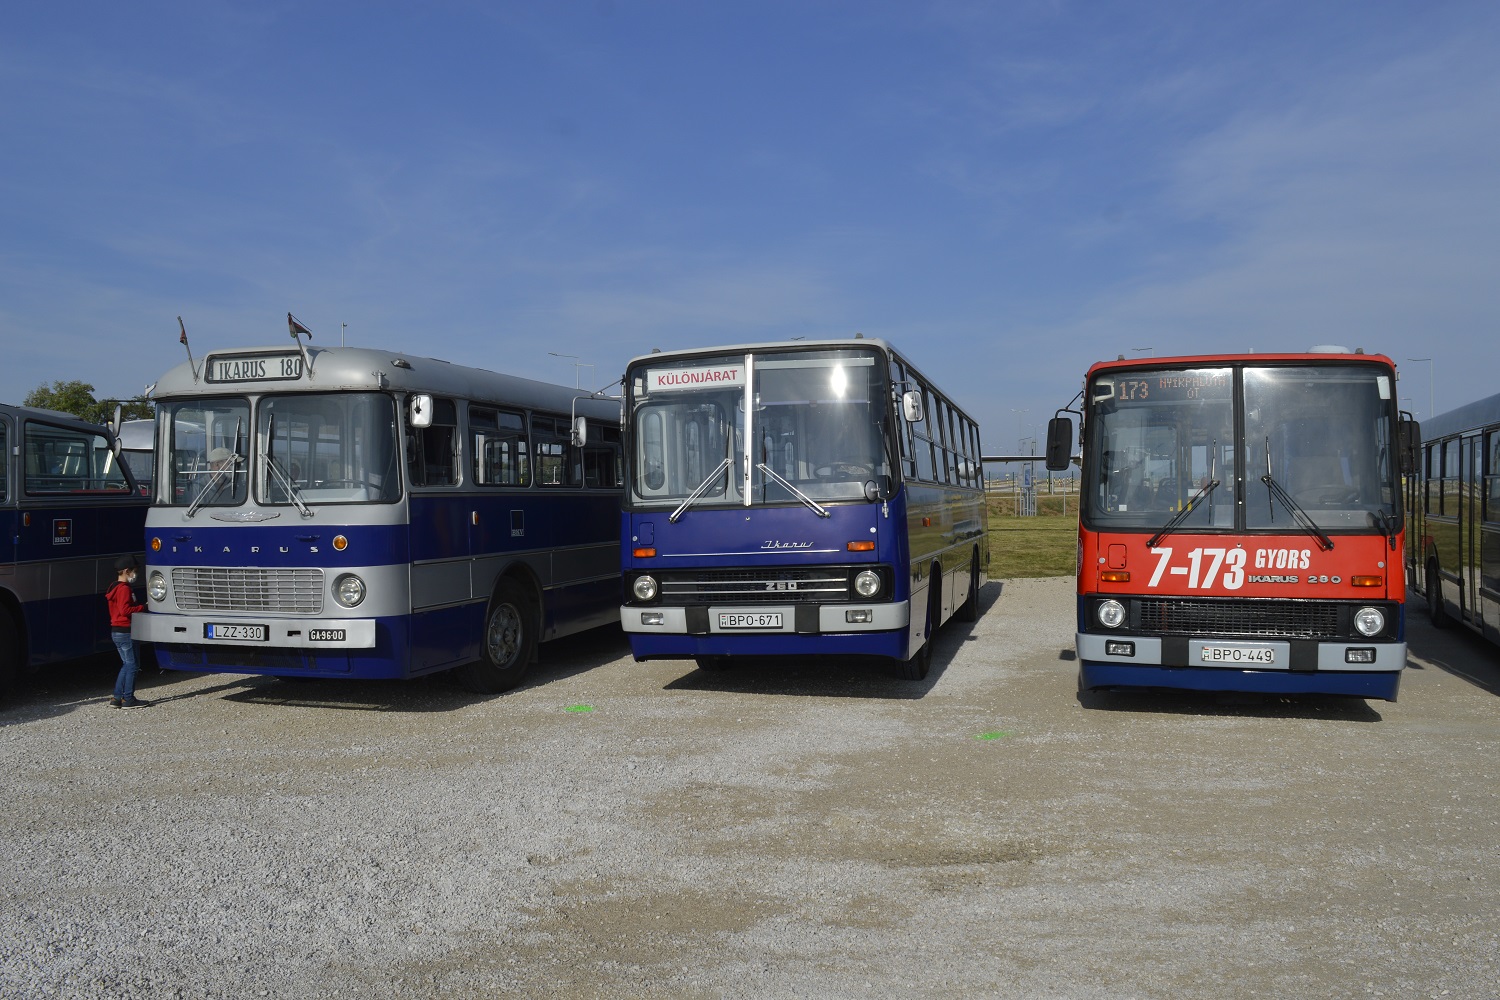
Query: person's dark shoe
{"x": 116, "y": 703}
{"x": 136, "y": 703}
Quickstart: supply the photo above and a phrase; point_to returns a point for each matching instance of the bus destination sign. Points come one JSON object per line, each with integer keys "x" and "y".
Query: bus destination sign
{"x": 723, "y": 376}
{"x": 1200, "y": 384}
{"x": 255, "y": 368}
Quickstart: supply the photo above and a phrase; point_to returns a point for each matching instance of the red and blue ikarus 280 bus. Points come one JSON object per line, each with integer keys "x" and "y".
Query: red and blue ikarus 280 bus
{"x": 1240, "y": 527}
{"x": 794, "y": 499}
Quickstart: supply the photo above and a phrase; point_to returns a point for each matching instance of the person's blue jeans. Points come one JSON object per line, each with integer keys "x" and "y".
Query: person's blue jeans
{"x": 125, "y": 683}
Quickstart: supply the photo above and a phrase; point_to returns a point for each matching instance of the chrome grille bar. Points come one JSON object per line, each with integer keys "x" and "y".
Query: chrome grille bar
{"x": 221, "y": 588}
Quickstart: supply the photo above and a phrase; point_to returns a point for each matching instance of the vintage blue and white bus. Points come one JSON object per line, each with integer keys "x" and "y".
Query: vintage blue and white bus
{"x": 68, "y": 509}
{"x": 351, "y": 512}
{"x": 797, "y": 498}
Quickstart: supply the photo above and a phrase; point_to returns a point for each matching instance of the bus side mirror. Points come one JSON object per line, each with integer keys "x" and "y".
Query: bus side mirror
{"x": 1409, "y": 442}
{"x": 421, "y": 411}
{"x": 114, "y": 431}
{"x": 911, "y": 406}
{"x": 580, "y": 433}
{"x": 1059, "y": 443}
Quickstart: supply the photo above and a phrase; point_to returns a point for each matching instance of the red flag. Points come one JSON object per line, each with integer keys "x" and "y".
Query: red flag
{"x": 182, "y": 339}
{"x": 295, "y": 327}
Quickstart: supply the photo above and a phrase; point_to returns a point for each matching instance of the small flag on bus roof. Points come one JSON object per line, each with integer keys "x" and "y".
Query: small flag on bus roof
{"x": 295, "y": 327}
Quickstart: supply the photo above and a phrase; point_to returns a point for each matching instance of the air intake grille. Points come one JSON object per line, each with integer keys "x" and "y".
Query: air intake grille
{"x": 215, "y": 588}
{"x": 1283, "y": 619}
{"x": 757, "y": 586}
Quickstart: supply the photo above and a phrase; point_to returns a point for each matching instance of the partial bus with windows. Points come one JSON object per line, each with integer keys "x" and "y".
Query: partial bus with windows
{"x": 1240, "y": 524}
{"x": 1453, "y": 556}
{"x": 797, "y": 498}
{"x": 359, "y": 513}
{"x": 68, "y": 509}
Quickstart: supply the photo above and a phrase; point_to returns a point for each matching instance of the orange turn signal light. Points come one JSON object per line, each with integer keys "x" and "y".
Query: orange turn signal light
{"x": 156, "y": 545}
{"x": 1367, "y": 581}
{"x": 865, "y": 546}
{"x": 1115, "y": 576}
{"x": 644, "y": 553}
{"x": 340, "y": 542}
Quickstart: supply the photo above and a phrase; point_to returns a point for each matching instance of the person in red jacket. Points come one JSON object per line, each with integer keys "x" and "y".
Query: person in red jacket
{"x": 122, "y": 605}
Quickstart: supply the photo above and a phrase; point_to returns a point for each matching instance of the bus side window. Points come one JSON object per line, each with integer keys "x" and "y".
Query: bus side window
{"x": 601, "y": 458}
{"x": 4, "y": 461}
{"x": 557, "y": 461}
{"x": 501, "y": 455}
{"x": 432, "y": 461}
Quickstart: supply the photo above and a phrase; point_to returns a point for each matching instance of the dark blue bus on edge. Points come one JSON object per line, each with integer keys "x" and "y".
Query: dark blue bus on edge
{"x": 796, "y": 498}
{"x": 68, "y": 509}
{"x": 359, "y": 513}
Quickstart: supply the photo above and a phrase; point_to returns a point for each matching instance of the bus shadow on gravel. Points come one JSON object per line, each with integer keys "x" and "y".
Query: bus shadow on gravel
{"x": 1232, "y": 704}
{"x": 1454, "y": 650}
{"x": 86, "y": 683}
{"x": 838, "y": 676}
{"x": 439, "y": 692}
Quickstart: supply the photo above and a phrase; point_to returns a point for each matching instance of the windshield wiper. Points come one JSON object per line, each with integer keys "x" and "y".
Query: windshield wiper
{"x": 214, "y": 483}
{"x": 702, "y": 488}
{"x": 1303, "y": 518}
{"x": 1182, "y": 514}
{"x": 1388, "y": 523}
{"x": 282, "y": 479}
{"x": 817, "y": 508}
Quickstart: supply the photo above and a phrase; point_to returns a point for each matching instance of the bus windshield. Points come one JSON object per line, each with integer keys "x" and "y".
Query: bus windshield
{"x": 1159, "y": 439}
{"x": 205, "y": 451}
{"x": 815, "y": 427}
{"x": 333, "y": 448}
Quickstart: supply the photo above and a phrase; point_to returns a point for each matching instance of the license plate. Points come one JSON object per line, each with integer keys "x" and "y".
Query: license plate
{"x": 1239, "y": 654}
{"x": 746, "y": 620}
{"x": 326, "y": 634}
{"x": 234, "y": 633}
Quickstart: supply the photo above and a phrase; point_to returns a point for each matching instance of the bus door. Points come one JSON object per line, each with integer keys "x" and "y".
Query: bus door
{"x": 1489, "y": 538}
{"x": 1470, "y": 516}
{"x": 9, "y": 515}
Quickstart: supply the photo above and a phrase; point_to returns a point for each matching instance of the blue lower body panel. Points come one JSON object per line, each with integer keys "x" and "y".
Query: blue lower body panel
{"x": 388, "y": 660}
{"x": 1383, "y": 685}
{"x": 687, "y": 647}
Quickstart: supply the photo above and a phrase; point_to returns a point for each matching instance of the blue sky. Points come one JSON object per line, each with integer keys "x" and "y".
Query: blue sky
{"x": 1007, "y": 191}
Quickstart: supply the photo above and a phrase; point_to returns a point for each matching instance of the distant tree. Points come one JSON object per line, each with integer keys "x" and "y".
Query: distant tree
{"x": 77, "y": 398}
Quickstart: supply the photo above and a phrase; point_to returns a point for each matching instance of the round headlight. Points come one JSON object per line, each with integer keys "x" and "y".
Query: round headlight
{"x": 349, "y": 590}
{"x": 1111, "y": 614}
{"x": 867, "y": 583}
{"x": 1369, "y": 621}
{"x": 156, "y": 586}
{"x": 645, "y": 588}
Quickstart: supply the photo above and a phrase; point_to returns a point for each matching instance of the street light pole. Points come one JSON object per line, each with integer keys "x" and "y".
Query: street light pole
{"x": 1431, "y": 395}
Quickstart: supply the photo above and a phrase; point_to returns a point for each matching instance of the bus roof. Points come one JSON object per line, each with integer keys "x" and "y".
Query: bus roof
{"x": 774, "y": 345}
{"x": 371, "y": 369}
{"x": 1208, "y": 360}
{"x": 52, "y": 417}
{"x": 1479, "y": 413}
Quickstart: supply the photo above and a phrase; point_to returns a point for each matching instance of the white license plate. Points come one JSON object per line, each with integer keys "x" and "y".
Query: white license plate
{"x": 748, "y": 620}
{"x": 1260, "y": 655}
{"x": 234, "y": 633}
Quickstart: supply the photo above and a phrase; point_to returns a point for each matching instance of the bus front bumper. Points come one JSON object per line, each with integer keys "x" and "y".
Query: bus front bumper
{"x": 259, "y": 633}
{"x": 790, "y": 619}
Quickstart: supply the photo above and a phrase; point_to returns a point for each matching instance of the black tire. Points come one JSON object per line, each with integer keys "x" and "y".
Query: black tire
{"x": 968, "y": 611}
{"x": 507, "y": 645}
{"x": 10, "y": 654}
{"x": 1437, "y": 612}
{"x": 714, "y": 664}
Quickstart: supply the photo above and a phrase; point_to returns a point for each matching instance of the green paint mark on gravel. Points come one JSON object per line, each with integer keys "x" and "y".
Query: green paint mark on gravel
{"x": 579, "y": 708}
{"x": 998, "y": 734}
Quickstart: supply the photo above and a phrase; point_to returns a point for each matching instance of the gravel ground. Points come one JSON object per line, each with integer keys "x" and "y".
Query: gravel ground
{"x": 781, "y": 830}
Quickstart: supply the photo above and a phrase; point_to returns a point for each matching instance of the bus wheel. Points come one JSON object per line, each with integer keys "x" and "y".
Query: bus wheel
{"x": 713, "y": 664}
{"x": 968, "y": 611}
{"x": 916, "y": 668}
{"x": 509, "y": 640}
{"x": 1437, "y": 613}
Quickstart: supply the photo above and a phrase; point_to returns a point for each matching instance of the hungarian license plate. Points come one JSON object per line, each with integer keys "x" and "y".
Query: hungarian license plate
{"x": 234, "y": 633}
{"x": 749, "y": 620}
{"x": 327, "y": 634}
{"x": 1259, "y": 655}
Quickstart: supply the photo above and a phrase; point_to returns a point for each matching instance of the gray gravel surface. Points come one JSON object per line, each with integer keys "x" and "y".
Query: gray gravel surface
{"x": 810, "y": 829}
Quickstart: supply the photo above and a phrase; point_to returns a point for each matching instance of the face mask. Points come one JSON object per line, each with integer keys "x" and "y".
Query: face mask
{"x": 131, "y": 577}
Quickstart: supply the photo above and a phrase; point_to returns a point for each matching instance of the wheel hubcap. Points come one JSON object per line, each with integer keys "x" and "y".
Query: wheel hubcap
{"x": 503, "y": 639}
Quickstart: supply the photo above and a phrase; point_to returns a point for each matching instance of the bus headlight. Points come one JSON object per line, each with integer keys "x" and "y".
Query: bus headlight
{"x": 156, "y": 586}
{"x": 1369, "y": 621}
{"x": 644, "y": 588}
{"x": 867, "y": 583}
{"x": 1111, "y": 614}
{"x": 349, "y": 590}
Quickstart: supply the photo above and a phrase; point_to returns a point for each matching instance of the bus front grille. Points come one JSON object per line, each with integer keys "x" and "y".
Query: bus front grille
{"x": 1268, "y": 617}
{"x": 218, "y": 588}
{"x": 757, "y": 586}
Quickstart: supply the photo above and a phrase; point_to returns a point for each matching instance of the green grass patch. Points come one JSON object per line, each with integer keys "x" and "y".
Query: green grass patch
{"x": 1044, "y": 545}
